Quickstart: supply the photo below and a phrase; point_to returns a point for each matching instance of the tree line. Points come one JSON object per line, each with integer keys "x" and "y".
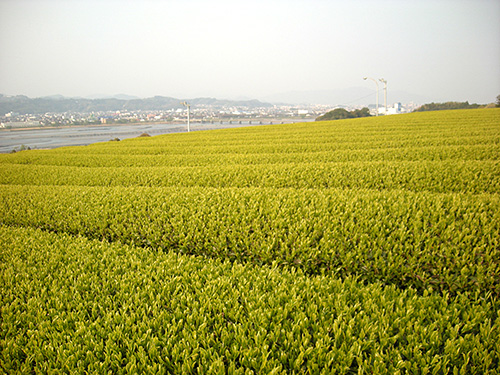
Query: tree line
{"x": 341, "y": 113}
{"x": 448, "y": 105}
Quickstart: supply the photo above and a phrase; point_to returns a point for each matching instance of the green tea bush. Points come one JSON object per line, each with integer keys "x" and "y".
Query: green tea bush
{"x": 354, "y": 246}
{"x": 448, "y": 242}
{"x": 85, "y": 306}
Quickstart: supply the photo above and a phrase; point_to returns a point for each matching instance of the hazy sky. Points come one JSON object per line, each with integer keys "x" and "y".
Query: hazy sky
{"x": 444, "y": 49}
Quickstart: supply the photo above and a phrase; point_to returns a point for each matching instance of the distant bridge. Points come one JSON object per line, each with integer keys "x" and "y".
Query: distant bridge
{"x": 246, "y": 121}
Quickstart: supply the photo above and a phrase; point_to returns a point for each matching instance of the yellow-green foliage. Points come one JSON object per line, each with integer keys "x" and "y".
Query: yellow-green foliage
{"x": 447, "y": 242}
{"x": 353, "y": 246}
{"x": 86, "y": 306}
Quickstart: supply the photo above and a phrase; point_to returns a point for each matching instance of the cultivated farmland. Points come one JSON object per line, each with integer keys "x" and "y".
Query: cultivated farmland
{"x": 365, "y": 245}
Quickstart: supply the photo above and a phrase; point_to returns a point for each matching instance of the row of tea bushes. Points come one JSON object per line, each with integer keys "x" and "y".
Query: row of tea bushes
{"x": 469, "y": 152}
{"x": 446, "y": 242}
{"x": 75, "y": 305}
{"x": 434, "y": 176}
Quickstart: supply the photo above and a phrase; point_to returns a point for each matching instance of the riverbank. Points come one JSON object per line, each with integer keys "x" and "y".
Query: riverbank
{"x": 54, "y": 137}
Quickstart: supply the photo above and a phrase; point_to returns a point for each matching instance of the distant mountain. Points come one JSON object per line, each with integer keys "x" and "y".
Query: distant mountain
{"x": 252, "y": 103}
{"x": 349, "y": 96}
{"x": 54, "y": 97}
{"x": 124, "y": 97}
{"x": 116, "y": 96}
{"x": 24, "y": 105}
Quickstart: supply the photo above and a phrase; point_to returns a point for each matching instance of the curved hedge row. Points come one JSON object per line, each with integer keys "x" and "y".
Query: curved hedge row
{"x": 85, "y": 306}
{"x": 357, "y": 246}
{"x": 446, "y": 242}
{"x": 434, "y": 176}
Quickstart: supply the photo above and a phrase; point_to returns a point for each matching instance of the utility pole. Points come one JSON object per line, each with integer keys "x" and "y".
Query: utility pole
{"x": 365, "y": 78}
{"x": 385, "y": 93}
{"x": 186, "y": 104}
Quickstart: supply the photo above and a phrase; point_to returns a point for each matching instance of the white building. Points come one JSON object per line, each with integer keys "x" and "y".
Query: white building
{"x": 394, "y": 110}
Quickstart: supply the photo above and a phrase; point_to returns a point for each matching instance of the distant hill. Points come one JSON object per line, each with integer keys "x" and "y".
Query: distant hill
{"x": 116, "y": 96}
{"x": 59, "y": 104}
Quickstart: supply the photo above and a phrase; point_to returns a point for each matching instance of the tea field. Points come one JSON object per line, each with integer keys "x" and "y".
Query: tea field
{"x": 367, "y": 245}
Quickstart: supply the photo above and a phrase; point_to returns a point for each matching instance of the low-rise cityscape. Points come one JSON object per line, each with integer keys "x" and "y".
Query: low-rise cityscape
{"x": 201, "y": 113}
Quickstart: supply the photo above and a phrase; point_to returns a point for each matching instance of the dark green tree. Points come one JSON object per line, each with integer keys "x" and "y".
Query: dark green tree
{"x": 447, "y": 105}
{"x": 364, "y": 112}
{"x": 341, "y": 113}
